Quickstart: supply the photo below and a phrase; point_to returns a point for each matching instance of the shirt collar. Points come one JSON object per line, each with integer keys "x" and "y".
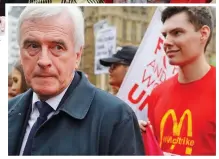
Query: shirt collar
{"x": 53, "y": 102}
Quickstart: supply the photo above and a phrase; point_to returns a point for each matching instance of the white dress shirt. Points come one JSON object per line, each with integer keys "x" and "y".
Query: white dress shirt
{"x": 53, "y": 102}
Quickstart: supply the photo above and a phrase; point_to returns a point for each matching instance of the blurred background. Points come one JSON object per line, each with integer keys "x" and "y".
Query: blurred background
{"x": 130, "y": 24}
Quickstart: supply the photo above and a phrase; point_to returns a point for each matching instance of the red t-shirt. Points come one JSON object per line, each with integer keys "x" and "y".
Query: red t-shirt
{"x": 184, "y": 115}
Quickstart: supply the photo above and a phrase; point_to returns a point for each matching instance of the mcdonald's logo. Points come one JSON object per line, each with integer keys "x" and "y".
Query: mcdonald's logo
{"x": 177, "y": 129}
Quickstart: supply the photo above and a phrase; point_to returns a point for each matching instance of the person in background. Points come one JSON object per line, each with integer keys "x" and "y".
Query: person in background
{"x": 63, "y": 113}
{"x": 118, "y": 65}
{"x": 182, "y": 110}
{"x": 18, "y": 83}
{"x": 9, "y": 85}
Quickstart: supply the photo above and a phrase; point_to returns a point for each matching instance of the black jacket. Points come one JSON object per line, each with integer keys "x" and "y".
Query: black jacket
{"x": 89, "y": 121}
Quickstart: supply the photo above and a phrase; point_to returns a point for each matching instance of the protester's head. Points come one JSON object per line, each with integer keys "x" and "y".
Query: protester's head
{"x": 51, "y": 40}
{"x": 119, "y": 64}
{"x": 18, "y": 84}
{"x": 187, "y": 32}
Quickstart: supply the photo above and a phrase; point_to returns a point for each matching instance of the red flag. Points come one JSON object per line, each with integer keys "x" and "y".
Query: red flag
{"x": 151, "y": 145}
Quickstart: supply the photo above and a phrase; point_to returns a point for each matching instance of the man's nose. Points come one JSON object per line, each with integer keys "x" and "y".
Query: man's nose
{"x": 44, "y": 60}
{"x": 13, "y": 87}
{"x": 111, "y": 69}
{"x": 167, "y": 42}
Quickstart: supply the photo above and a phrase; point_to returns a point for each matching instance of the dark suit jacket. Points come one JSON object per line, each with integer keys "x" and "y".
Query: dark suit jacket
{"x": 89, "y": 121}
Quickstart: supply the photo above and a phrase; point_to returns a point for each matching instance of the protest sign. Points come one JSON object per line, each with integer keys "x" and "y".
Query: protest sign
{"x": 105, "y": 46}
{"x": 100, "y": 25}
{"x": 149, "y": 68}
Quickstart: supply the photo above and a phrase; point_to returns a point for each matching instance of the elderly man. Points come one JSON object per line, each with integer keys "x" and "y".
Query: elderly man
{"x": 62, "y": 113}
{"x": 182, "y": 110}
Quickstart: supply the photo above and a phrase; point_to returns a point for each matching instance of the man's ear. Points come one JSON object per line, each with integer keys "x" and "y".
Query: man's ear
{"x": 205, "y": 33}
{"x": 78, "y": 57}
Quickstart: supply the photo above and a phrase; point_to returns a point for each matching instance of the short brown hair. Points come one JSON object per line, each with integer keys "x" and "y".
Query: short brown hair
{"x": 198, "y": 16}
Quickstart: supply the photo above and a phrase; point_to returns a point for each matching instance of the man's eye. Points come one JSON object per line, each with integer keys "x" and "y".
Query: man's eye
{"x": 177, "y": 32}
{"x": 15, "y": 80}
{"x": 58, "y": 47}
{"x": 34, "y": 46}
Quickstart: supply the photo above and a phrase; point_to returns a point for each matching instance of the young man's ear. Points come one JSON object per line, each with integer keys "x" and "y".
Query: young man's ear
{"x": 205, "y": 33}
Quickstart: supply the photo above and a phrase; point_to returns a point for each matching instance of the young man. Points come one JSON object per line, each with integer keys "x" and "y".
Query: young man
{"x": 119, "y": 64}
{"x": 182, "y": 110}
{"x": 63, "y": 113}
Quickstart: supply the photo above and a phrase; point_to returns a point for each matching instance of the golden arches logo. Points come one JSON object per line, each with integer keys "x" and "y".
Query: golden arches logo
{"x": 177, "y": 127}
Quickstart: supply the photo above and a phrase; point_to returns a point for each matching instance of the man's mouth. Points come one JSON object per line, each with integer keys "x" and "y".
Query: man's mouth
{"x": 171, "y": 53}
{"x": 43, "y": 76}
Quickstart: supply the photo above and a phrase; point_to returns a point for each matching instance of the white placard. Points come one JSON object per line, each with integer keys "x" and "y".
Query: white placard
{"x": 100, "y": 25}
{"x": 105, "y": 46}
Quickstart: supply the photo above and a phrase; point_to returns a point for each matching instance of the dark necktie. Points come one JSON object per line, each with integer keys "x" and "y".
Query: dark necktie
{"x": 44, "y": 110}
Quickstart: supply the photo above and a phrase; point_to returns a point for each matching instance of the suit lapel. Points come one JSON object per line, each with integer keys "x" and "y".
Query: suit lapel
{"x": 17, "y": 120}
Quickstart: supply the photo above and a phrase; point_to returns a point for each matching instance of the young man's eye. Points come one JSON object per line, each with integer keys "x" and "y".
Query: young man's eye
{"x": 177, "y": 33}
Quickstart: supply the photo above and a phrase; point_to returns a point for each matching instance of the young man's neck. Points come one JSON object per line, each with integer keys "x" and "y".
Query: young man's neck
{"x": 194, "y": 71}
